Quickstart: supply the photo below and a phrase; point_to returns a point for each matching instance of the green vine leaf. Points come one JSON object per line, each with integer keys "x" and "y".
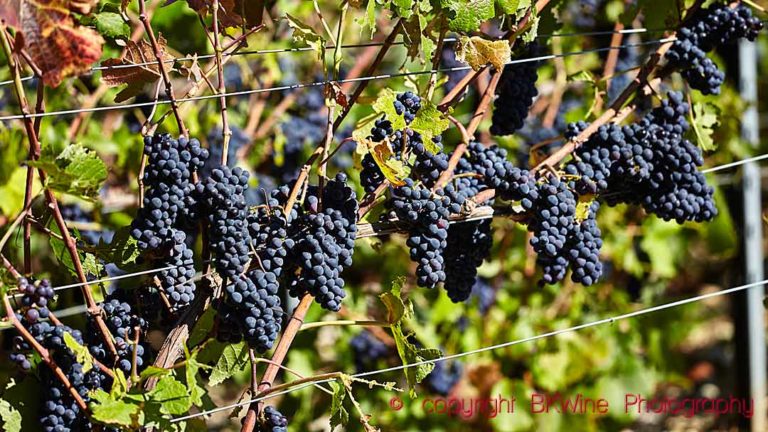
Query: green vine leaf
{"x": 76, "y": 170}
{"x": 11, "y": 417}
{"x": 107, "y": 410}
{"x": 111, "y": 25}
{"x": 153, "y": 371}
{"x": 171, "y": 395}
{"x": 429, "y": 122}
{"x": 704, "y": 119}
{"x": 339, "y": 414}
{"x": 234, "y": 359}
{"x": 398, "y": 311}
{"x": 466, "y": 16}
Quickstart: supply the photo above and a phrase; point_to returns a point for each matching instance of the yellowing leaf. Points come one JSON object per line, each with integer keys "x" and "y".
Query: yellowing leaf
{"x": 478, "y": 52}
{"x": 303, "y": 33}
{"x": 82, "y": 355}
{"x": 393, "y": 169}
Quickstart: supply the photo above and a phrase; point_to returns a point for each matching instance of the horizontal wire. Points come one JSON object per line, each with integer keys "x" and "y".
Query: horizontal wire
{"x": 481, "y": 217}
{"x": 735, "y": 164}
{"x": 546, "y": 335}
{"x": 101, "y": 67}
{"x": 320, "y": 83}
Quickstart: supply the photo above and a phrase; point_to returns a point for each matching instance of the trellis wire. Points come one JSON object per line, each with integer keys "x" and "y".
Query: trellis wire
{"x": 157, "y": 270}
{"x": 330, "y": 47}
{"x": 546, "y": 335}
{"x": 321, "y": 83}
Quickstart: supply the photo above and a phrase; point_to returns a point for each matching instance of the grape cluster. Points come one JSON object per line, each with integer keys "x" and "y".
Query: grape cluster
{"x": 170, "y": 166}
{"x": 468, "y": 244}
{"x": 59, "y": 411}
{"x": 367, "y": 349}
{"x": 551, "y": 224}
{"x": 514, "y": 96}
{"x": 407, "y": 105}
{"x": 584, "y": 249}
{"x": 123, "y": 324}
{"x": 252, "y": 307}
{"x": 223, "y": 197}
{"x": 444, "y": 377}
{"x": 178, "y": 272}
{"x": 324, "y": 241}
{"x": 648, "y": 163}
{"x": 35, "y": 298}
{"x": 426, "y": 214}
{"x": 710, "y": 27}
{"x": 272, "y": 421}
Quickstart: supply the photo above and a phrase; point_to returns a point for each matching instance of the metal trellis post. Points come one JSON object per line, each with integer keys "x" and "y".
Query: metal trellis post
{"x": 753, "y": 238}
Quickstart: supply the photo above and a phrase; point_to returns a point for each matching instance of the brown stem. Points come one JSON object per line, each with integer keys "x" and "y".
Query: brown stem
{"x": 44, "y": 354}
{"x": 50, "y": 197}
{"x": 367, "y": 203}
{"x": 8, "y": 266}
{"x": 458, "y": 152}
{"x": 296, "y": 320}
{"x": 611, "y": 61}
{"x": 454, "y": 95}
{"x": 485, "y": 102}
{"x": 226, "y": 131}
{"x": 143, "y": 17}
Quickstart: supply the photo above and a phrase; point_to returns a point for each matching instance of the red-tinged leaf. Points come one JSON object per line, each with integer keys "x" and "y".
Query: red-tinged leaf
{"x": 60, "y": 47}
{"x": 252, "y": 11}
{"x": 9, "y": 12}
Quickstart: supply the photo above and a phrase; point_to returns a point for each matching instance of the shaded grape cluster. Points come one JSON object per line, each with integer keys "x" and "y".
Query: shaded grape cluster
{"x": 711, "y": 27}
{"x": 444, "y": 377}
{"x": 223, "y": 197}
{"x": 514, "y": 96}
{"x": 178, "y": 273}
{"x": 324, "y": 232}
{"x": 468, "y": 245}
{"x": 272, "y": 421}
{"x": 367, "y": 350}
{"x": 123, "y": 324}
{"x": 426, "y": 214}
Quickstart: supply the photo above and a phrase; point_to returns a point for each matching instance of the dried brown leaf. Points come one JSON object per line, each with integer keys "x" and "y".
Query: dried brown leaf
{"x": 137, "y": 67}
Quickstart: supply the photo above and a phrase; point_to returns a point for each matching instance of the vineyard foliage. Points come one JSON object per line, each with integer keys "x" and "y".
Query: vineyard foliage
{"x": 208, "y": 206}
